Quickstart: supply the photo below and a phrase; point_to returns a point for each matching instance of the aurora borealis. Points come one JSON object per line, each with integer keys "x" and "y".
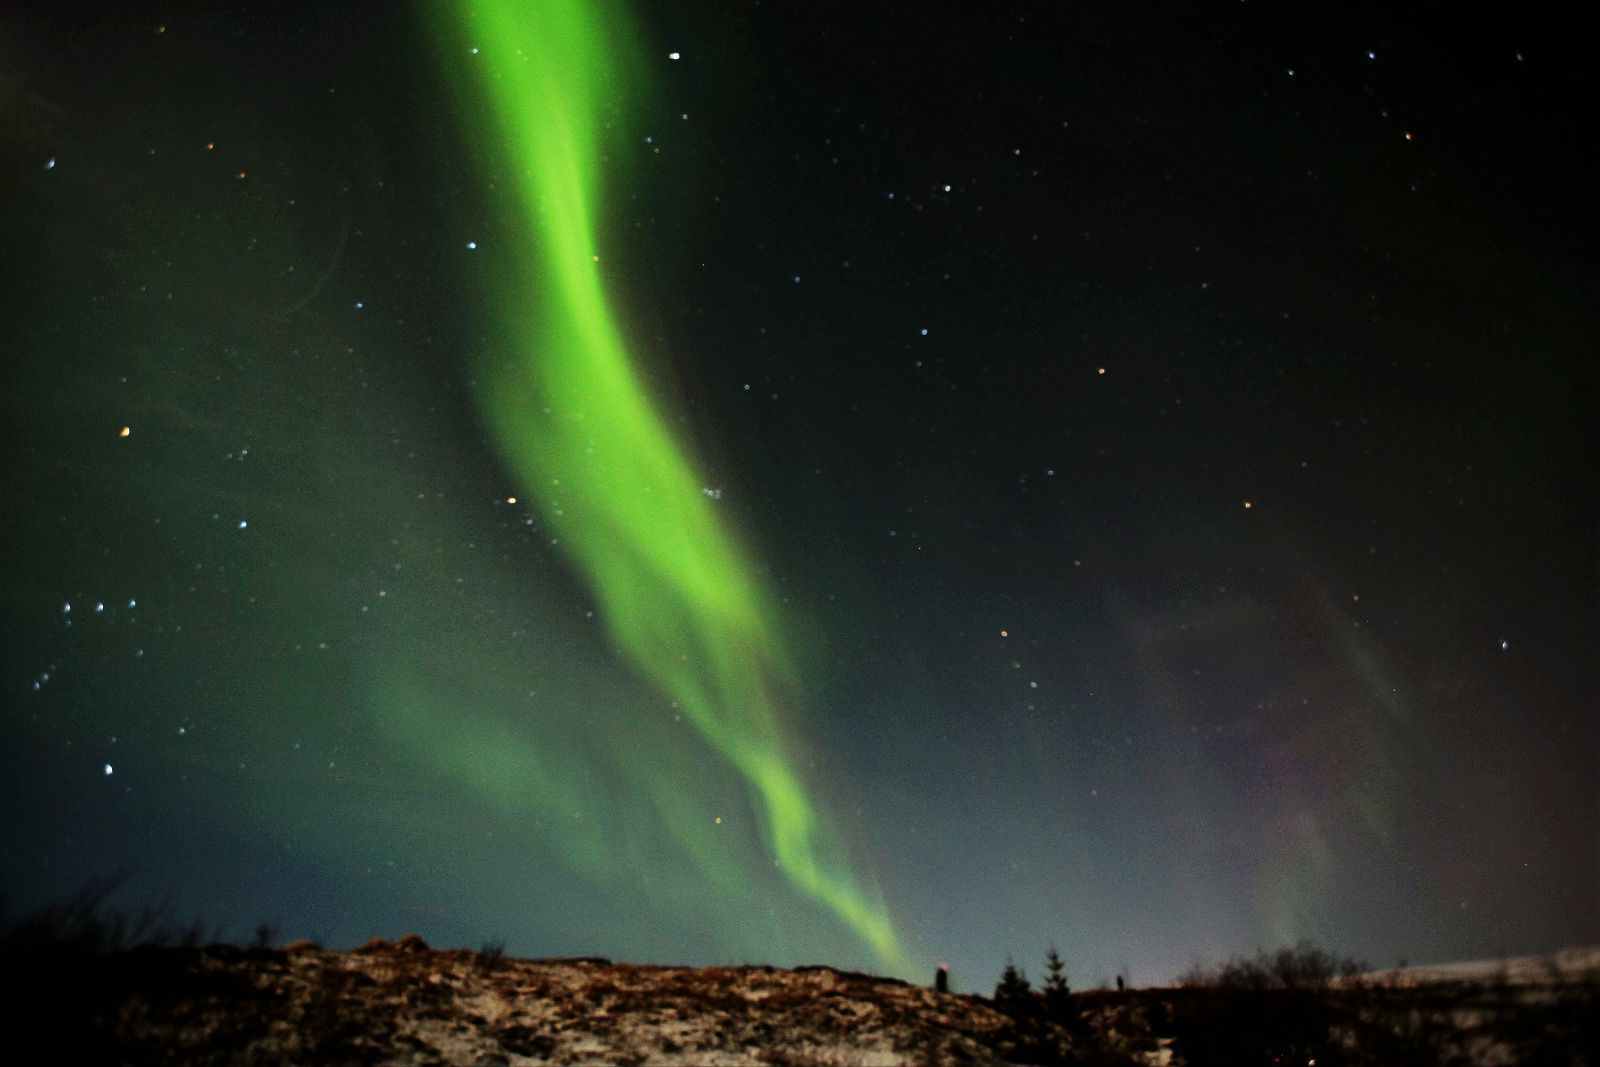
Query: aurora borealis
{"x": 576, "y": 423}
{"x": 705, "y": 483}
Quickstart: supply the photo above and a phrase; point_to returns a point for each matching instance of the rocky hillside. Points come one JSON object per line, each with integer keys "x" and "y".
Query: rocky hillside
{"x": 404, "y": 1003}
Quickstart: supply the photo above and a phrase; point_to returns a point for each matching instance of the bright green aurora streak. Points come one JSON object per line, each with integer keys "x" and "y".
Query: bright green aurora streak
{"x": 570, "y": 413}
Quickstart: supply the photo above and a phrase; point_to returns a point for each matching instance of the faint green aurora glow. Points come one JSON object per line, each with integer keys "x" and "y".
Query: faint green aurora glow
{"x": 573, "y": 419}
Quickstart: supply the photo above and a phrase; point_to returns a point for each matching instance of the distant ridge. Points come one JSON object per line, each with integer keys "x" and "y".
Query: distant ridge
{"x": 1567, "y": 965}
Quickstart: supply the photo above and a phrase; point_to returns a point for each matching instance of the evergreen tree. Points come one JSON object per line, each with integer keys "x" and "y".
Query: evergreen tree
{"x": 1013, "y": 985}
{"x": 1055, "y": 983}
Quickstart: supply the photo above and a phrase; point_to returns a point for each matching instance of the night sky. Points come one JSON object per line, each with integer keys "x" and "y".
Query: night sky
{"x": 1120, "y": 476}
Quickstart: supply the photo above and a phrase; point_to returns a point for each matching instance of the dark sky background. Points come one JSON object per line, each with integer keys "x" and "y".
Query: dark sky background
{"x": 1169, "y": 430}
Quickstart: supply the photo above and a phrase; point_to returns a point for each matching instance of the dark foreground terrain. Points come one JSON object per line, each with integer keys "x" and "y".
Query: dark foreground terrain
{"x": 405, "y": 1003}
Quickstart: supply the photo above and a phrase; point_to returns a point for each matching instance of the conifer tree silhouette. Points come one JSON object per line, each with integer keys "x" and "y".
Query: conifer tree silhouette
{"x": 1055, "y": 982}
{"x": 1013, "y": 985}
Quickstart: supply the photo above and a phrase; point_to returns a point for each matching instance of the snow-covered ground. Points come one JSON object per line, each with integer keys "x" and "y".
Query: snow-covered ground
{"x": 1568, "y": 965}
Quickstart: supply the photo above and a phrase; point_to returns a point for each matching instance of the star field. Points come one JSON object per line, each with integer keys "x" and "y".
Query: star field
{"x": 1136, "y": 468}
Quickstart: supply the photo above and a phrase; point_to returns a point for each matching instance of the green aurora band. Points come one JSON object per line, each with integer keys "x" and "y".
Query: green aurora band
{"x": 571, "y": 415}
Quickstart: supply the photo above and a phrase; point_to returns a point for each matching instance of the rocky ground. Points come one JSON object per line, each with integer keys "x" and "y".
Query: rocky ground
{"x": 404, "y": 1003}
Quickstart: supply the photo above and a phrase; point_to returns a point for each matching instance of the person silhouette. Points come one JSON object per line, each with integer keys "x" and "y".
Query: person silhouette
{"x": 1120, "y": 984}
{"x": 941, "y": 979}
